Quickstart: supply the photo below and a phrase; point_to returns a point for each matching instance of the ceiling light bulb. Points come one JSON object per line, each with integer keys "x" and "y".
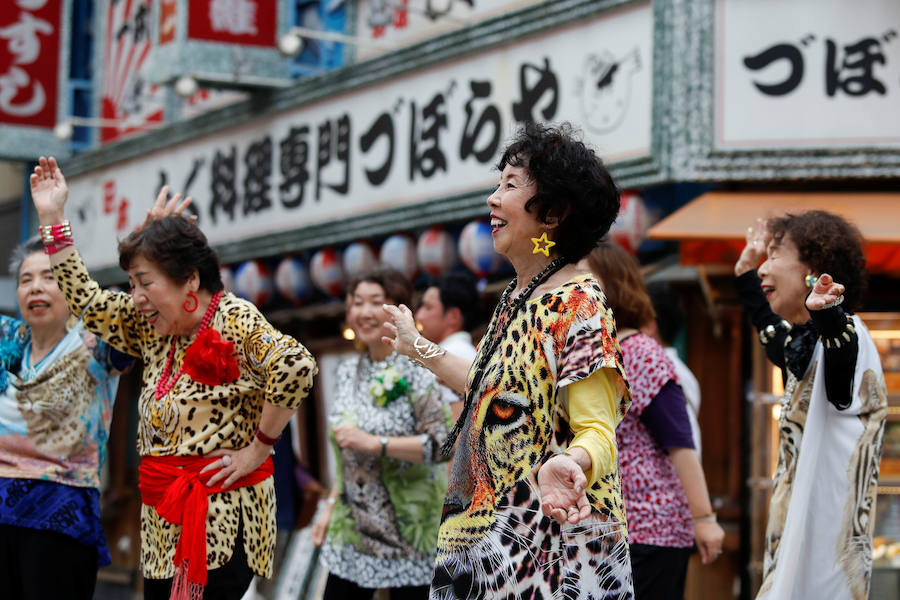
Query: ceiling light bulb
{"x": 290, "y": 45}
{"x": 186, "y": 86}
{"x": 64, "y": 131}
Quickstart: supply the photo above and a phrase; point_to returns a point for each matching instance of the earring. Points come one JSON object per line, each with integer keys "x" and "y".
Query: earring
{"x": 191, "y": 304}
{"x": 542, "y": 245}
{"x": 810, "y": 281}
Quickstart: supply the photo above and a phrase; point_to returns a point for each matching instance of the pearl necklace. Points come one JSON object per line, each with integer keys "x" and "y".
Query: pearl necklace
{"x": 164, "y": 385}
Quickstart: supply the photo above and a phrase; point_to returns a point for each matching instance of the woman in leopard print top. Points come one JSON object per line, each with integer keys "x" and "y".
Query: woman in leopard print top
{"x": 219, "y": 385}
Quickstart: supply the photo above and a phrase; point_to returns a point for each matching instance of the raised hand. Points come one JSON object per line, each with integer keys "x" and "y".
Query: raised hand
{"x": 826, "y": 293}
{"x": 562, "y": 483}
{"x": 162, "y": 208}
{"x": 403, "y": 327}
{"x": 758, "y": 237}
{"x": 48, "y": 189}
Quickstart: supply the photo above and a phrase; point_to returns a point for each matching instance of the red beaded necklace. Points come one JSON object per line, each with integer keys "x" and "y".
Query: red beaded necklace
{"x": 164, "y": 385}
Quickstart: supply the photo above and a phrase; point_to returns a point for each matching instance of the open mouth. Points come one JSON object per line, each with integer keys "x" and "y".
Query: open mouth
{"x": 38, "y": 306}
{"x": 497, "y": 224}
{"x": 151, "y": 316}
{"x": 768, "y": 290}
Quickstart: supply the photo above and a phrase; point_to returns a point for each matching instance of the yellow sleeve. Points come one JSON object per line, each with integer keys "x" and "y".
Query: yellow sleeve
{"x": 592, "y": 417}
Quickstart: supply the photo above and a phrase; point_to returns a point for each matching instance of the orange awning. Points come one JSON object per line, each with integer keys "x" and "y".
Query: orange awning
{"x": 711, "y": 228}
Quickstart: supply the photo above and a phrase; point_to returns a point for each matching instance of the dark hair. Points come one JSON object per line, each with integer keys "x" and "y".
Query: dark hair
{"x": 23, "y": 251}
{"x": 395, "y": 284}
{"x": 622, "y": 283}
{"x": 177, "y": 247}
{"x": 827, "y": 243}
{"x": 669, "y": 310}
{"x": 573, "y": 185}
{"x": 458, "y": 290}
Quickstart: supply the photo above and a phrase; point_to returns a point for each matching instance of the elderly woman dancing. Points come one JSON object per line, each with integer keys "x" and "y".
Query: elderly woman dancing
{"x": 821, "y": 516}
{"x": 219, "y": 385}
{"x": 543, "y": 397}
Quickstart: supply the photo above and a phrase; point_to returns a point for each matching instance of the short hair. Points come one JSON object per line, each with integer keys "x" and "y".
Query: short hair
{"x": 397, "y": 287}
{"x": 458, "y": 290}
{"x": 178, "y": 247}
{"x": 23, "y": 251}
{"x": 827, "y": 243}
{"x": 573, "y": 185}
{"x": 622, "y": 283}
{"x": 669, "y": 310}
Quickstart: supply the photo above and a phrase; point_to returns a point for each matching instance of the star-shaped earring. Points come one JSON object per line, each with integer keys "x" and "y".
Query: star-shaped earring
{"x": 542, "y": 245}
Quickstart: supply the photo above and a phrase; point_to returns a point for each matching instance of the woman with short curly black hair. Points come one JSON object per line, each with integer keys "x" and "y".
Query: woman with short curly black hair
{"x": 822, "y": 512}
{"x": 534, "y": 505}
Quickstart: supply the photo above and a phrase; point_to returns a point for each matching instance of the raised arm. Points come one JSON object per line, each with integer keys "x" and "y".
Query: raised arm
{"x": 841, "y": 343}
{"x": 451, "y": 369}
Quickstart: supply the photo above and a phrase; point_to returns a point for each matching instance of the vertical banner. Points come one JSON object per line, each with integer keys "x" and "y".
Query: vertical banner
{"x": 126, "y": 95}
{"x": 29, "y": 62}
{"x": 168, "y": 21}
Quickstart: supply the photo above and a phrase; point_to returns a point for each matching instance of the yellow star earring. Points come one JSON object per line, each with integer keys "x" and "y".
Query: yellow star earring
{"x": 542, "y": 245}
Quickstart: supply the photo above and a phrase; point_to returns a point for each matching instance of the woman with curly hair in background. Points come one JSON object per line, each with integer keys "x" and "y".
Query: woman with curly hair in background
{"x": 819, "y": 535}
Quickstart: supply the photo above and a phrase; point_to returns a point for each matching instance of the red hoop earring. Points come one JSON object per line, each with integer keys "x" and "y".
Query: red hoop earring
{"x": 191, "y": 303}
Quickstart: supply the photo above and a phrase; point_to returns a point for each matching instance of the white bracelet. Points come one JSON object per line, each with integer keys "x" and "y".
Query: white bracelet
{"x": 427, "y": 349}
{"x": 834, "y": 303}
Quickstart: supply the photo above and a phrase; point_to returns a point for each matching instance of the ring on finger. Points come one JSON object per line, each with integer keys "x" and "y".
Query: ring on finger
{"x": 226, "y": 460}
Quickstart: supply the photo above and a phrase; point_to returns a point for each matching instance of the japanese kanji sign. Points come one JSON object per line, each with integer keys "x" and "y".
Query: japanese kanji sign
{"x": 807, "y": 73}
{"x": 422, "y": 136}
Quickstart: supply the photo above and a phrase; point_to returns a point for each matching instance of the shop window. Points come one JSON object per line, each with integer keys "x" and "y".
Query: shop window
{"x": 317, "y": 55}
{"x": 80, "y": 81}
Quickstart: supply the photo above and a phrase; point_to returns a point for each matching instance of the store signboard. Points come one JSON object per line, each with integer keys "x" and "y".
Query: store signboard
{"x": 126, "y": 96}
{"x": 425, "y": 135}
{"x": 807, "y": 73}
{"x": 404, "y": 22}
{"x": 32, "y": 92}
{"x": 227, "y": 43}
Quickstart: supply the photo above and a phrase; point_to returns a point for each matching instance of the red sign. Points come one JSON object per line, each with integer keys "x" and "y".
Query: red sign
{"x": 168, "y": 17}
{"x": 29, "y": 62}
{"x": 251, "y": 22}
{"x": 127, "y": 97}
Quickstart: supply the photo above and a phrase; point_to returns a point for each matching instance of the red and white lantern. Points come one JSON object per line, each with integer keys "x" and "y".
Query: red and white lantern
{"x": 292, "y": 280}
{"x": 436, "y": 251}
{"x": 227, "y": 276}
{"x": 326, "y": 271}
{"x": 476, "y": 249}
{"x": 632, "y": 224}
{"x": 358, "y": 257}
{"x": 253, "y": 282}
{"x": 399, "y": 252}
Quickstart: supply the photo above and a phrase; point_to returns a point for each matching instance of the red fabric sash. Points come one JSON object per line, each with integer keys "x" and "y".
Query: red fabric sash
{"x": 174, "y": 486}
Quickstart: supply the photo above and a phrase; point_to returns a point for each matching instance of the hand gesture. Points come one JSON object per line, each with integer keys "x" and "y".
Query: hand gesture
{"x": 825, "y": 292}
{"x": 233, "y": 464}
{"x": 354, "y": 438}
{"x": 48, "y": 189}
{"x": 162, "y": 208}
{"x": 709, "y": 536}
{"x": 754, "y": 252}
{"x": 403, "y": 327}
{"x": 562, "y": 483}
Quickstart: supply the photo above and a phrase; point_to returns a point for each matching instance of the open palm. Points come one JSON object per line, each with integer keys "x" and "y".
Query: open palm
{"x": 48, "y": 187}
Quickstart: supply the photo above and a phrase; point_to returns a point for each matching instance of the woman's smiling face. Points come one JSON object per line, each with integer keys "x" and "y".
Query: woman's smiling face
{"x": 160, "y": 299}
{"x": 512, "y": 226}
{"x": 783, "y": 280}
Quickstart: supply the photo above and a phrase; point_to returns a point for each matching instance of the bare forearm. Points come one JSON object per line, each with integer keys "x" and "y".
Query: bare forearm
{"x": 273, "y": 420}
{"x": 451, "y": 369}
{"x": 690, "y": 473}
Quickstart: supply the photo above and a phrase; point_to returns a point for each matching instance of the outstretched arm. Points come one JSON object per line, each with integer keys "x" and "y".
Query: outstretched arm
{"x": 49, "y": 193}
{"x": 451, "y": 369}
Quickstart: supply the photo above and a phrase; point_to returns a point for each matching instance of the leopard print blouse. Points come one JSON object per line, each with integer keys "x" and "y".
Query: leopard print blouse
{"x": 194, "y": 419}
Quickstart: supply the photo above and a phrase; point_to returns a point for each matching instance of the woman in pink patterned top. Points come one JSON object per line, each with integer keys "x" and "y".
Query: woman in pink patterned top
{"x": 666, "y": 499}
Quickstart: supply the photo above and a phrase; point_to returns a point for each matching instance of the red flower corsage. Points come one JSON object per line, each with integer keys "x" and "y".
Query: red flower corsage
{"x": 210, "y": 359}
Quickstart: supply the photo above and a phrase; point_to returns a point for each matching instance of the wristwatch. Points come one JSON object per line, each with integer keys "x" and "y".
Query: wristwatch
{"x": 384, "y": 442}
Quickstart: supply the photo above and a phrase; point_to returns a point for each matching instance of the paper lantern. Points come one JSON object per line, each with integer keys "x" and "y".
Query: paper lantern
{"x": 253, "y": 281}
{"x": 632, "y": 224}
{"x": 292, "y": 280}
{"x": 399, "y": 252}
{"x": 326, "y": 271}
{"x": 227, "y": 276}
{"x": 358, "y": 257}
{"x": 476, "y": 249}
{"x": 436, "y": 251}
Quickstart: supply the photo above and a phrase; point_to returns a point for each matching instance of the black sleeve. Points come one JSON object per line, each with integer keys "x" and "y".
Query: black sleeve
{"x": 835, "y": 328}
{"x": 749, "y": 291}
{"x": 667, "y": 420}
